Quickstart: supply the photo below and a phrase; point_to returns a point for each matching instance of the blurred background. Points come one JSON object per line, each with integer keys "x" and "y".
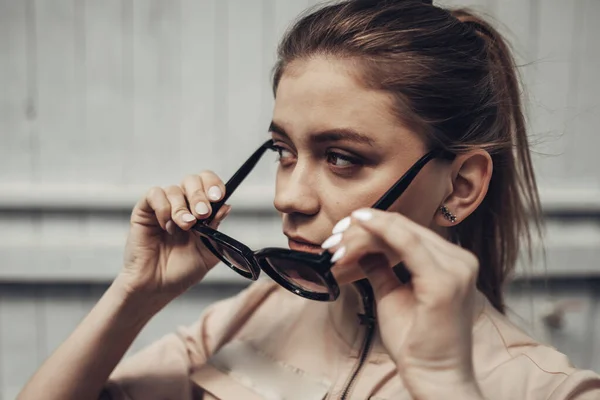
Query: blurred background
{"x": 100, "y": 100}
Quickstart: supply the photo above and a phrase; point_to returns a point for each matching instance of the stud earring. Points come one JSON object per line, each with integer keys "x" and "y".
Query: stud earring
{"x": 447, "y": 214}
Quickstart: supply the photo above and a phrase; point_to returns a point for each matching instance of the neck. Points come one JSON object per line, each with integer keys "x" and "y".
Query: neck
{"x": 368, "y": 316}
{"x": 353, "y": 312}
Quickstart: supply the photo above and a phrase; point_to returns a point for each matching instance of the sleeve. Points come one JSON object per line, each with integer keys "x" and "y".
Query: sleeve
{"x": 162, "y": 370}
{"x": 580, "y": 385}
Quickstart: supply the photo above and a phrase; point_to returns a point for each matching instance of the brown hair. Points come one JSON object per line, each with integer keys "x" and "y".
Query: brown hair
{"x": 454, "y": 80}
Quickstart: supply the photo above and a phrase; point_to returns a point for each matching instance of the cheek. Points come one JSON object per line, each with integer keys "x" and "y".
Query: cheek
{"x": 415, "y": 208}
{"x": 421, "y": 200}
{"x": 342, "y": 206}
{"x": 350, "y": 199}
{"x": 339, "y": 208}
{"x": 280, "y": 178}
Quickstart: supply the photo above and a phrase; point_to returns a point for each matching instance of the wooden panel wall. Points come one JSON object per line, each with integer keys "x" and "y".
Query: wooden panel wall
{"x": 101, "y": 100}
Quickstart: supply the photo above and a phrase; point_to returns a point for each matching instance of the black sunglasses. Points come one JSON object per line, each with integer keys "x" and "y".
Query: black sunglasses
{"x": 305, "y": 274}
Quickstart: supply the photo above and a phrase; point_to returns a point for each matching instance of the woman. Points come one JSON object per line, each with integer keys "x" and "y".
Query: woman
{"x": 365, "y": 91}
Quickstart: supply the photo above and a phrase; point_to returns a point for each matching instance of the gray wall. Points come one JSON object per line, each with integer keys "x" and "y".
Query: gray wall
{"x": 100, "y": 100}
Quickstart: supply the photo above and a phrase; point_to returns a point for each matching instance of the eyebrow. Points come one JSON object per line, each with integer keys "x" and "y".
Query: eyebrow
{"x": 330, "y": 135}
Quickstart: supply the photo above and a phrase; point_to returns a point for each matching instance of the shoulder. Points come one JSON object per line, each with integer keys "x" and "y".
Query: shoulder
{"x": 192, "y": 345}
{"x": 225, "y": 318}
{"x": 161, "y": 370}
{"x": 509, "y": 363}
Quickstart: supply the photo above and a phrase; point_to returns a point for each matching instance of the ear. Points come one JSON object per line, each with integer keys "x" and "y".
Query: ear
{"x": 471, "y": 174}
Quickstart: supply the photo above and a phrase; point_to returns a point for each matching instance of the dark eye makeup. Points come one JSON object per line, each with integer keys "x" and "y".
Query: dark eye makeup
{"x": 341, "y": 160}
{"x": 338, "y": 160}
{"x": 280, "y": 150}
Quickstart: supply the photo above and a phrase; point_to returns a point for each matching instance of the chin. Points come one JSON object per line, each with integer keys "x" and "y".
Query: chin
{"x": 346, "y": 274}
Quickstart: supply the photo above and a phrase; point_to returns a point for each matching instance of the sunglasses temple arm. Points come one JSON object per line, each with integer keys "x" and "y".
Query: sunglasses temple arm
{"x": 238, "y": 178}
{"x": 400, "y": 186}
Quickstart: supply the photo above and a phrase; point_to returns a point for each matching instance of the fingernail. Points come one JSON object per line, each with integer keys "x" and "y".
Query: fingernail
{"x": 170, "y": 227}
{"x": 201, "y": 208}
{"x": 363, "y": 215}
{"x": 338, "y": 254}
{"x": 341, "y": 226}
{"x": 188, "y": 218}
{"x": 331, "y": 241}
{"x": 214, "y": 193}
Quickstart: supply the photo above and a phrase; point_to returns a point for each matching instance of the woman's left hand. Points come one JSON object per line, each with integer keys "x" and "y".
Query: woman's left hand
{"x": 425, "y": 325}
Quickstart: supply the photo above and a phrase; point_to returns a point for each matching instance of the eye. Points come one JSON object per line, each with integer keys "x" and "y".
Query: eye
{"x": 341, "y": 160}
{"x": 283, "y": 153}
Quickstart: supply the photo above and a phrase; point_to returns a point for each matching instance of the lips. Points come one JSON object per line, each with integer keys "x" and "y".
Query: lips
{"x": 301, "y": 244}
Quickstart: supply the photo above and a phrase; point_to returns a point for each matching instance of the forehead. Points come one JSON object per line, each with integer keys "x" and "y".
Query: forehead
{"x": 324, "y": 93}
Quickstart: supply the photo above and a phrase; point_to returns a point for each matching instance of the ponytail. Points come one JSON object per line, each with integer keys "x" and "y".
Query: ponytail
{"x": 512, "y": 202}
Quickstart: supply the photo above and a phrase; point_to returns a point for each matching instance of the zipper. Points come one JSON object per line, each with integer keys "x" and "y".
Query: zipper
{"x": 368, "y": 319}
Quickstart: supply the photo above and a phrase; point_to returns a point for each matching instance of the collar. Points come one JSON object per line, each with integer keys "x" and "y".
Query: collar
{"x": 344, "y": 317}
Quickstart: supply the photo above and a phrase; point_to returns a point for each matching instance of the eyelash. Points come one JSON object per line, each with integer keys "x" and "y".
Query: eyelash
{"x": 353, "y": 161}
{"x": 279, "y": 150}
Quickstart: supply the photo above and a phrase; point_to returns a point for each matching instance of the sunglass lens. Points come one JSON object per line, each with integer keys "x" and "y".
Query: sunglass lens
{"x": 232, "y": 257}
{"x": 298, "y": 274}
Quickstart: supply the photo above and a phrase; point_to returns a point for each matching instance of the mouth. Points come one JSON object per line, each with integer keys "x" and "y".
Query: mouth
{"x": 300, "y": 244}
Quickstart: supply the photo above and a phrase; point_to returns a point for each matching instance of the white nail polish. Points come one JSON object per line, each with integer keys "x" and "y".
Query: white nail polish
{"x": 170, "y": 227}
{"x": 341, "y": 226}
{"x": 188, "y": 218}
{"x": 214, "y": 193}
{"x": 332, "y": 240}
{"x": 201, "y": 208}
{"x": 363, "y": 215}
{"x": 338, "y": 254}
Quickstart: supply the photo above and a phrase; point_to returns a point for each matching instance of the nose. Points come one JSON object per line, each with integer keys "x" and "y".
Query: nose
{"x": 296, "y": 191}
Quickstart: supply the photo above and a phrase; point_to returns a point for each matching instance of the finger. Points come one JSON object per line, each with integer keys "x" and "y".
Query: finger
{"x": 450, "y": 251}
{"x": 392, "y": 229}
{"x": 180, "y": 213}
{"x": 458, "y": 262}
{"x": 214, "y": 186}
{"x": 447, "y": 277}
{"x": 440, "y": 249}
{"x": 221, "y": 215}
{"x": 444, "y": 247}
{"x": 436, "y": 239}
{"x": 448, "y": 255}
{"x": 355, "y": 242}
{"x": 410, "y": 244}
{"x": 194, "y": 192}
{"x": 359, "y": 247}
{"x": 155, "y": 203}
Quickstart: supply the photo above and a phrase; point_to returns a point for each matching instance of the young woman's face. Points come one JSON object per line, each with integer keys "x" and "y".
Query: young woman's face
{"x": 341, "y": 148}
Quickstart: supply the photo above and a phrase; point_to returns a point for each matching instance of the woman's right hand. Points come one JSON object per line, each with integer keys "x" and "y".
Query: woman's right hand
{"x": 163, "y": 257}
